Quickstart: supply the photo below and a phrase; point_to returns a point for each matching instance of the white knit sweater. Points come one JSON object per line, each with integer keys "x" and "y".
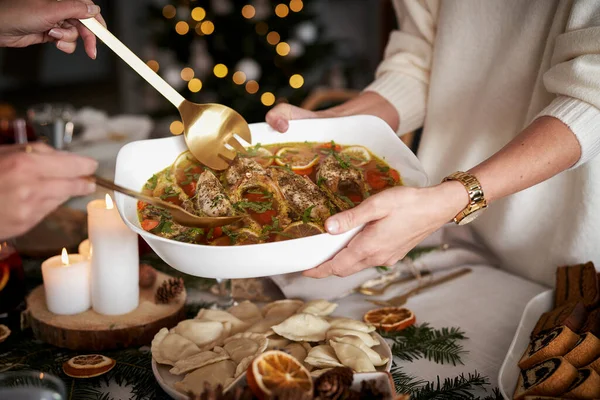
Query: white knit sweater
{"x": 474, "y": 73}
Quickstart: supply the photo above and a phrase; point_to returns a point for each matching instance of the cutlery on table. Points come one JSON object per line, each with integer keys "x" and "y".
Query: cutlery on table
{"x": 209, "y": 128}
{"x": 403, "y": 298}
{"x": 179, "y": 215}
{"x": 378, "y": 290}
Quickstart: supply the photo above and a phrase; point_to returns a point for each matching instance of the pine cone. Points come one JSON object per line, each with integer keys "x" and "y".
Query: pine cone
{"x": 169, "y": 290}
{"x": 290, "y": 394}
{"x": 334, "y": 384}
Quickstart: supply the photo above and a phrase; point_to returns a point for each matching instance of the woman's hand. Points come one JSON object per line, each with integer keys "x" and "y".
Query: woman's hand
{"x": 367, "y": 103}
{"x": 397, "y": 220}
{"x": 27, "y": 22}
{"x": 33, "y": 184}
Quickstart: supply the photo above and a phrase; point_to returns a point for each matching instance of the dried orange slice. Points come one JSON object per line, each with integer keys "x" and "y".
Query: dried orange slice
{"x": 298, "y": 158}
{"x": 358, "y": 155}
{"x": 390, "y": 319}
{"x": 88, "y": 366}
{"x": 275, "y": 370}
{"x": 4, "y": 275}
{"x": 299, "y": 230}
{"x": 4, "y": 333}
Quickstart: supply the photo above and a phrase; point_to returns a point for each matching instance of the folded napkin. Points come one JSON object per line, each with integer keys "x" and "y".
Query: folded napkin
{"x": 461, "y": 249}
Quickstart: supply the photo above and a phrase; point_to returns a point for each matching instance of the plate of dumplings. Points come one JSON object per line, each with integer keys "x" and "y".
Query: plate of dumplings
{"x": 217, "y": 346}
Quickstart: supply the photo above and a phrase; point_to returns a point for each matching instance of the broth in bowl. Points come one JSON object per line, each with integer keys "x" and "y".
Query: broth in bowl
{"x": 285, "y": 191}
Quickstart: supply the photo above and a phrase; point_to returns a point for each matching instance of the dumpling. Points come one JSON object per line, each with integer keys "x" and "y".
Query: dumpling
{"x": 246, "y": 311}
{"x": 205, "y": 334}
{"x": 277, "y": 342}
{"x": 374, "y": 356}
{"x": 168, "y": 347}
{"x": 365, "y": 337}
{"x": 264, "y": 326}
{"x": 299, "y": 351}
{"x": 219, "y": 373}
{"x": 322, "y": 356}
{"x": 318, "y": 307}
{"x": 303, "y": 327}
{"x": 348, "y": 323}
{"x": 199, "y": 360}
{"x": 281, "y": 309}
{"x": 237, "y": 325}
{"x": 352, "y": 357}
{"x": 243, "y": 348}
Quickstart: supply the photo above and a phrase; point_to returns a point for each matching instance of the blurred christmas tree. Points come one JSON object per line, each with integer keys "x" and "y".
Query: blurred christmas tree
{"x": 246, "y": 54}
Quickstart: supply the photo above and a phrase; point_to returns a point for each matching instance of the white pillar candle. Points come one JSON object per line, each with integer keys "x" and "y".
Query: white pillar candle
{"x": 115, "y": 260}
{"x": 85, "y": 249}
{"x": 67, "y": 283}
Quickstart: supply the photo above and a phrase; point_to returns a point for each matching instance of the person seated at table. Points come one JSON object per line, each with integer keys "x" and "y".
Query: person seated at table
{"x": 507, "y": 91}
{"x": 35, "y": 179}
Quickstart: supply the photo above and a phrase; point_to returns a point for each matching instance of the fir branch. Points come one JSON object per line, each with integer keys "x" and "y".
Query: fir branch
{"x": 404, "y": 382}
{"x": 496, "y": 395}
{"x": 459, "y": 387}
{"x": 423, "y": 341}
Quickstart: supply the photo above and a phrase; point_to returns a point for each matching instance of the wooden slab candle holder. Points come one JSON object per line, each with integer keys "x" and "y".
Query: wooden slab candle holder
{"x": 91, "y": 331}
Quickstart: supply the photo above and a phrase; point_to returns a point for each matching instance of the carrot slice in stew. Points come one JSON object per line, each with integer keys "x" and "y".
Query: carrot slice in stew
{"x": 306, "y": 171}
{"x": 149, "y": 224}
{"x": 141, "y": 205}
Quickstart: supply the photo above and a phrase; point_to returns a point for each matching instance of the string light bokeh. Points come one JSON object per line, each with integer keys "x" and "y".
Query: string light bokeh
{"x": 193, "y": 20}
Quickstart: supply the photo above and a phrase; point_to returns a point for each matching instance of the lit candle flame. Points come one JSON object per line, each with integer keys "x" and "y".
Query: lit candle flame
{"x": 109, "y": 202}
{"x": 64, "y": 257}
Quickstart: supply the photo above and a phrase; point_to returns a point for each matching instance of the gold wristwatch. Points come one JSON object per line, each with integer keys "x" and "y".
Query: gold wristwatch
{"x": 477, "y": 201}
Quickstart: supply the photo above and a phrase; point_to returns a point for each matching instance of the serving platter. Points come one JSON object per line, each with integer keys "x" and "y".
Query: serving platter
{"x": 509, "y": 372}
{"x": 167, "y": 381}
{"x": 138, "y": 161}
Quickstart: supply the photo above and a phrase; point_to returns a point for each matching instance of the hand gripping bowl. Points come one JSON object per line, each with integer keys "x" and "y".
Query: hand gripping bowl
{"x": 137, "y": 161}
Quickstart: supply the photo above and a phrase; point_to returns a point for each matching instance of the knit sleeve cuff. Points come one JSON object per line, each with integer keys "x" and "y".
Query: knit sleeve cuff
{"x": 584, "y": 121}
{"x": 406, "y": 94}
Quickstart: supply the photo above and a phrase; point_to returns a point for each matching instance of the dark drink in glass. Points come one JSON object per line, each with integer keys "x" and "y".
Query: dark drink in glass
{"x": 12, "y": 280}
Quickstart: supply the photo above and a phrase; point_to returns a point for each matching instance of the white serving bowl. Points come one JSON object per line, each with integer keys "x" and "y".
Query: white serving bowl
{"x": 138, "y": 161}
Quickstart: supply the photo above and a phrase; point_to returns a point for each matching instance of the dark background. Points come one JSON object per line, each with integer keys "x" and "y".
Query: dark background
{"x": 44, "y": 74}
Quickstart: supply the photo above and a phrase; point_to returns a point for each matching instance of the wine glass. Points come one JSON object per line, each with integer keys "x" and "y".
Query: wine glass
{"x": 223, "y": 291}
{"x": 31, "y": 385}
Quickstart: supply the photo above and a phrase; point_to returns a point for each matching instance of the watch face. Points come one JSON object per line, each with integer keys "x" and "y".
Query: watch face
{"x": 471, "y": 217}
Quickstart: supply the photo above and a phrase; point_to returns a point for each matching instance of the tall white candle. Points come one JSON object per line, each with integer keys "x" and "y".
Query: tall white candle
{"x": 115, "y": 260}
{"x": 67, "y": 283}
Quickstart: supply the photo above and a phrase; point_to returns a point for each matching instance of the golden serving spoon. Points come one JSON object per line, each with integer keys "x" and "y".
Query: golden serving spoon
{"x": 179, "y": 215}
{"x": 209, "y": 128}
{"x": 403, "y": 298}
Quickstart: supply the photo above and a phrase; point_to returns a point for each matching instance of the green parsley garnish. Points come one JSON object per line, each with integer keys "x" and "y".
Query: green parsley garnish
{"x": 347, "y": 200}
{"x": 382, "y": 168}
{"x": 306, "y": 214}
{"x": 151, "y": 184}
{"x": 256, "y": 206}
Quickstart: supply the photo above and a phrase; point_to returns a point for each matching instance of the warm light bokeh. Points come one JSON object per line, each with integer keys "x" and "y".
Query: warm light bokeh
{"x": 239, "y": 78}
{"x": 187, "y": 74}
{"x": 220, "y": 70}
{"x": 252, "y": 87}
{"x": 169, "y": 11}
{"x": 273, "y": 38}
{"x": 195, "y": 85}
{"x": 198, "y": 14}
{"x": 182, "y": 28}
{"x": 267, "y": 98}
{"x": 248, "y": 11}
{"x": 153, "y": 64}
{"x": 281, "y": 10}
{"x": 176, "y": 127}
{"x": 283, "y": 49}
{"x": 296, "y": 81}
